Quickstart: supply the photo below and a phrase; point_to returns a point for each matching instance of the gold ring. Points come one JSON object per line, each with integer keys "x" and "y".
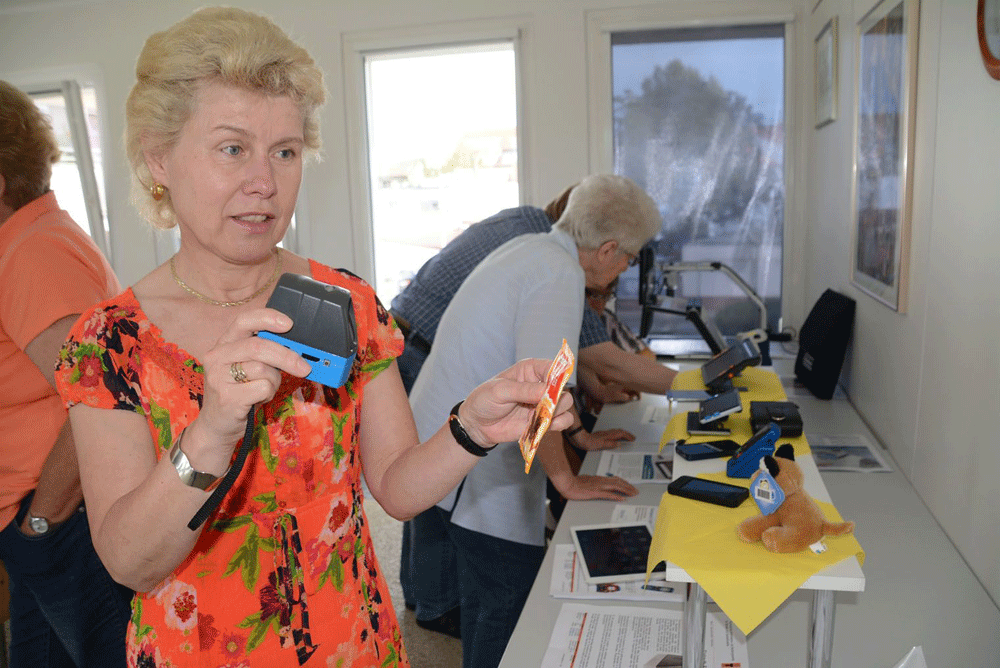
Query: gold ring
{"x": 237, "y": 372}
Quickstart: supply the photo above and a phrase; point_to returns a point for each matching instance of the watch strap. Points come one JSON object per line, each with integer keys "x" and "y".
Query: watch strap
{"x": 187, "y": 473}
{"x": 459, "y": 434}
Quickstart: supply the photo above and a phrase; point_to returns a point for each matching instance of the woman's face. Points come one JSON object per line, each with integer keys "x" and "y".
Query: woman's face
{"x": 235, "y": 171}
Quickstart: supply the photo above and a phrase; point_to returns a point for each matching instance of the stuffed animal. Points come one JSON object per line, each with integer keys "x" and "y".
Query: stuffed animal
{"x": 798, "y": 522}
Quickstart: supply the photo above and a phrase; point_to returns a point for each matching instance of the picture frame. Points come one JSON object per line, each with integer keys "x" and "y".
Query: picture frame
{"x": 988, "y": 32}
{"x": 885, "y": 86}
{"x": 826, "y": 74}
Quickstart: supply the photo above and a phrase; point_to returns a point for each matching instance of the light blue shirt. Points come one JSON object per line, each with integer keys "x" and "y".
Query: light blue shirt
{"x": 521, "y": 301}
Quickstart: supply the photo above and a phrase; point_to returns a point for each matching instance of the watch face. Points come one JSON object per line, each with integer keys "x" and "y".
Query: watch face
{"x": 39, "y": 524}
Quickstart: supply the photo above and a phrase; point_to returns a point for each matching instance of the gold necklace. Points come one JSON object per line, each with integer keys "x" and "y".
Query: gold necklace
{"x": 216, "y": 302}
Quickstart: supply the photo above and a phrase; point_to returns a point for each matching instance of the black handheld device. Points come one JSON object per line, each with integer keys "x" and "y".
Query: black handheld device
{"x": 718, "y": 372}
{"x": 323, "y": 332}
{"x": 696, "y": 428}
{"x": 710, "y": 491}
{"x": 710, "y": 450}
{"x": 719, "y": 406}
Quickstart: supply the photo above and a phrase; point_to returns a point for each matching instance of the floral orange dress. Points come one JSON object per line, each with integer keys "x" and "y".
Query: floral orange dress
{"x": 284, "y": 572}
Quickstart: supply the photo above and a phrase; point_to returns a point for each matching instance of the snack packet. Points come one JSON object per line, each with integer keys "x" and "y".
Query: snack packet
{"x": 555, "y": 380}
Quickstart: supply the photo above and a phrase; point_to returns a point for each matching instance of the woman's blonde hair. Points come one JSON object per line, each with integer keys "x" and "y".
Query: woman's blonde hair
{"x": 608, "y": 207}
{"x": 28, "y": 148}
{"x": 219, "y": 44}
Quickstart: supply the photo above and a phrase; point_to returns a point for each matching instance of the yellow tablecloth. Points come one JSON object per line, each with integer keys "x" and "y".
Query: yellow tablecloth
{"x": 761, "y": 384}
{"x": 745, "y": 580}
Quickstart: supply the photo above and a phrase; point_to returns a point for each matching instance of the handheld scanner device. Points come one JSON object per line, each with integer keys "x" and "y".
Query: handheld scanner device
{"x": 323, "y": 332}
{"x": 745, "y": 461}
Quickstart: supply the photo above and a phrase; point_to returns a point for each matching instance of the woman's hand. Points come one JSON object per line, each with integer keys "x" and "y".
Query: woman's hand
{"x": 585, "y": 487}
{"x": 601, "y": 440}
{"x": 243, "y": 370}
{"x": 499, "y": 410}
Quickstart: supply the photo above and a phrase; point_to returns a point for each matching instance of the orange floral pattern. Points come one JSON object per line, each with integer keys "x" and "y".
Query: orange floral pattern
{"x": 284, "y": 572}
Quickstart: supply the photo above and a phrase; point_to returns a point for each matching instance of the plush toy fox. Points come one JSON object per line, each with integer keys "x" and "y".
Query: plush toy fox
{"x": 798, "y": 522}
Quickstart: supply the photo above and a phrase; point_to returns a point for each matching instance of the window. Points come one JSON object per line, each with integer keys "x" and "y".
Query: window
{"x": 78, "y": 177}
{"x": 698, "y": 122}
{"x": 442, "y": 149}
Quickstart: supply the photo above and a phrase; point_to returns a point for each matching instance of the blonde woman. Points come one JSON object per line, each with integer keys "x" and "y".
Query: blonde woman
{"x": 160, "y": 379}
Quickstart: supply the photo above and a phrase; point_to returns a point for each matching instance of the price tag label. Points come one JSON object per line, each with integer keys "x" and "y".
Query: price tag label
{"x": 766, "y": 492}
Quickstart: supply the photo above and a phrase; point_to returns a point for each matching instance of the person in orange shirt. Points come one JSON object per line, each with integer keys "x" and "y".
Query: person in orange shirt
{"x": 65, "y": 608}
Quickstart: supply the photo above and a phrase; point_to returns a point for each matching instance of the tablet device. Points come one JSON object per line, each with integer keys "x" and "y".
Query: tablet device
{"x": 718, "y": 371}
{"x": 719, "y": 406}
{"x": 613, "y": 552}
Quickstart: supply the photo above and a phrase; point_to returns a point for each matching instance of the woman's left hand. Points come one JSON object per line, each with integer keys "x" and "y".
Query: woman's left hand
{"x": 499, "y": 410}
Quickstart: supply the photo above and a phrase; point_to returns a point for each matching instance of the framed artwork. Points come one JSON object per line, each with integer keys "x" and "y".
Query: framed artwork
{"x": 988, "y": 27}
{"x": 883, "y": 149}
{"x": 826, "y": 74}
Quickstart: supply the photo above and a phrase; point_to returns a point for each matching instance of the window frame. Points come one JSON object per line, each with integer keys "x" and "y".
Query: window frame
{"x": 357, "y": 47}
{"x": 69, "y": 87}
{"x": 600, "y": 26}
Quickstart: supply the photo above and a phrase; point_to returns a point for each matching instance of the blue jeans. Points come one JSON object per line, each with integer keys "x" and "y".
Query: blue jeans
{"x": 428, "y": 567}
{"x": 493, "y": 577}
{"x": 65, "y": 610}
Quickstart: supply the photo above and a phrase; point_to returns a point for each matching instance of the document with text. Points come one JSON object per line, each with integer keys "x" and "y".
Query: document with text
{"x": 637, "y": 467}
{"x": 598, "y": 637}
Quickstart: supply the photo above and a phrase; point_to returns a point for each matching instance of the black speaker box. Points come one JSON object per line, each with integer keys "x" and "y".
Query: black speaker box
{"x": 823, "y": 343}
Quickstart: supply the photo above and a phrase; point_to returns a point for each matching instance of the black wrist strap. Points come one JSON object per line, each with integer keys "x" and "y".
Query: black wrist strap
{"x": 459, "y": 434}
{"x": 573, "y": 432}
{"x": 228, "y": 479}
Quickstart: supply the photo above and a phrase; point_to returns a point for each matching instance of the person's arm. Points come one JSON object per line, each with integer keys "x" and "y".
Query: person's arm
{"x": 552, "y": 457}
{"x": 636, "y": 372}
{"x": 600, "y": 392}
{"x": 407, "y": 477}
{"x": 138, "y": 507}
{"x": 58, "y": 493}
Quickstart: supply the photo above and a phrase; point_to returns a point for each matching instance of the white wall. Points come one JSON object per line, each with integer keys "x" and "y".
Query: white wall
{"x": 927, "y": 381}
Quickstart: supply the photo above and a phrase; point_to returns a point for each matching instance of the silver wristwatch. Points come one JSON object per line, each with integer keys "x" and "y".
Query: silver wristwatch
{"x": 188, "y": 475}
{"x": 38, "y": 524}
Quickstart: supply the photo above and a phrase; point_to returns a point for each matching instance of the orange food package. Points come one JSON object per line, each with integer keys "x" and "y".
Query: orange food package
{"x": 555, "y": 381}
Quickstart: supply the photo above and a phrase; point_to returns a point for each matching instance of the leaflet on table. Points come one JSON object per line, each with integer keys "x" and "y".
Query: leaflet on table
{"x": 657, "y": 414}
{"x": 638, "y": 467}
{"x": 595, "y": 637}
{"x": 626, "y": 514}
{"x": 568, "y": 582}
{"x": 850, "y": 452}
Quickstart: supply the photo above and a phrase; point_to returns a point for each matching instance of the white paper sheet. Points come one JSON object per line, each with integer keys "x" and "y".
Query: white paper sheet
{"x": 567, "y": 582}
{"x": 597, "y": 637}
{"x": 637, "y": 467}
{"x": 846, "y": 452}
{"x": 657, "y": 414}
{"x": 625, "y": 514}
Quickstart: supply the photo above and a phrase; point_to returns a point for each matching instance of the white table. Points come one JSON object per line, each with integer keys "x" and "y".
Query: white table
{"x": 918, "y": 589}
{"x": 843, "y": 576}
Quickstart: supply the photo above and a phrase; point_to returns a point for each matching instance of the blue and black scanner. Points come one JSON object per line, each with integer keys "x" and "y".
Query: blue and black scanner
{"x": 323, "y": 332}
{"x": 745, "y": 461}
